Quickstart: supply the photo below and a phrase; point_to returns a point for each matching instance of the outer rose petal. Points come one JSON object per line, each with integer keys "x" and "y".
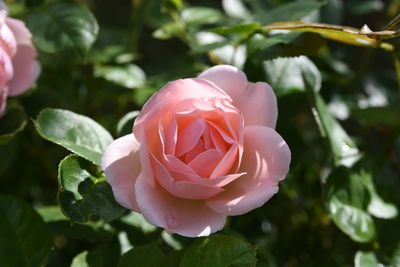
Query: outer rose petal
{"x": 21, "y": 33}
{"x": 3, "y": 100}
{"x": 27, "y": 70}
{"x": 266, "y": 160}
{"x": 257, "y": 102}
{"x": 190, "y": 218}
{"x": 121, "y": 164}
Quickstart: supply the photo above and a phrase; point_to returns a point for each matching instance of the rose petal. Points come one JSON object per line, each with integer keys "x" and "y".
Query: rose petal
{"x": 190, "y": 218}
{"x": 121, "y": 164}
{"x": 205, "y": 163}
{"x": 266, "y": 160}
{"x": 260, "y": 106}
{"x": 7, "y": 40}
{"x": 28, "y": 70}
{"x": 6, "y": 69}
{"x": 163, "y": 103}
{"x": 182, "y": 189}
{"x": 3, "y": 99}
{"x": 257, "y": 102}
{"x": 189, "y": 136}
{"x": 230, "y": 79}
{"x": 20, "y": 31}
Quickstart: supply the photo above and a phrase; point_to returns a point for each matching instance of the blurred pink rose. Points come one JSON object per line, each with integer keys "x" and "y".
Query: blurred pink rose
{"x": 201, "y": 149}
{"x": 18, "y": 67}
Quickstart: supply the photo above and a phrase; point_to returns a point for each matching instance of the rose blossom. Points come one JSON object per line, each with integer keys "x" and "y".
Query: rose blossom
{"x": 18, "y": 67}
{"x": 201, "y": 149}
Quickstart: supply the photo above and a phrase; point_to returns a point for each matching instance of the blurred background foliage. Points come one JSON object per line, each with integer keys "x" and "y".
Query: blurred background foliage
{"x": 338, "y": 111}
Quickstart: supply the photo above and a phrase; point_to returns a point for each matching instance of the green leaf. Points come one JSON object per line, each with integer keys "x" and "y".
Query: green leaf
{"x": 75, "y": 132}
{"x": 365, "y": 259}
{"x": 51, "y": 213}
{"x": 244, "y": 29}
{"x": 172, "y": 5}
{"x": 284, "y": 45}
{"x": 347, "y": 35}
{"x": 13, "y": 122}
{"x": 375, "y": 116}
{"x": 286, "y": 75}
{"x": 219, "y": 251}
{"x": 25, "y": 238}
{"x": 129, "y": 75}
{"x": 377, "y": 207}
{"x": 290, "y": 11}
{"x": 208, "y": 47}
{"x": 125, "y": 124}
{"x": 345, "y": 199}
{"x": 83, "y": 196}
{"x": 201, "y": 15}
{"x": 344, "y": 150}
{"x": 150, "y": 256}
{"x": 168, "y": 31}
{"x": 63, "y": 28}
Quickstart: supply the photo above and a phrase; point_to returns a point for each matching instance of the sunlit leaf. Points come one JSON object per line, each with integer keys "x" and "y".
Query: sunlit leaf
{"x": 286, "y": 75}
{"x": 129, "y": 75}
{"x": 84, "y": 196}
{"x": 75, "y": 132}
{"x": 200, "y": 15}
{"x": 244, "y": 29}
{"x": 345, "y": 199}
{"x": 338, "y": 33}
{"x": 125, "y": 124}
{"x": 25, "y": 238}
{"x": 365, "y": 259}
{"x": 168, "y": 31}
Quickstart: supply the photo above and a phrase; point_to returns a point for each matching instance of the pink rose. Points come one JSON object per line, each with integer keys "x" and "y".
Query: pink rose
{"x": 18, "y": 67}
{"x": 201, "y": 149}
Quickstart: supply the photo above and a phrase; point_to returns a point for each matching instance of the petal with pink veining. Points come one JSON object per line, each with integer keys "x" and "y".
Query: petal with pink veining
{"x": 190, "y": 218}
{"x": 121, "y": 164}
{"x": 266, "y": 159}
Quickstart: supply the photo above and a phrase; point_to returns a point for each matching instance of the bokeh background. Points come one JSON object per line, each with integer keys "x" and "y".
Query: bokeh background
{"x": 143, "y": 44}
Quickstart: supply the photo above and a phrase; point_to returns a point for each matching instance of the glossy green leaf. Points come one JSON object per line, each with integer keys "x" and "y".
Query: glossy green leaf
{"x": 63, "y": 27}
{"x": 83, "y": 195}
{"x": 129, "y": 75}
{"x": 291, "y": 11}
{"x": 345, "y": 199}
{"x": 286, "y": 75}
{"x": 137, "y": 220}
{"x": 11, "y": 123}
{"x": 75, "y": 132}
{"x": 219, "y": 251}
{"x": 200, "y": 15}
{"x": 25, "y": 238}
{"x": 150, "y": 256}
{"x": 338, "y": 33}
{"x": 365, "y": 259}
